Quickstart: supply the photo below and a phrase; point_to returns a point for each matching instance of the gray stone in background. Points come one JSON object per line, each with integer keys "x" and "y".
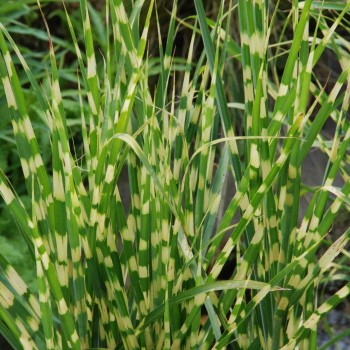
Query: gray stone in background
{"x": 339, "y": 320}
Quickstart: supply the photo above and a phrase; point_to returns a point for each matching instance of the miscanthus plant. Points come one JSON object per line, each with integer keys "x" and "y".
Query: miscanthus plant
{"x": 114, "y": 273}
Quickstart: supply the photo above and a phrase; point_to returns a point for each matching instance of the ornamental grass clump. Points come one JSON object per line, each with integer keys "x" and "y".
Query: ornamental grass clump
{"x": 144, "y": 270}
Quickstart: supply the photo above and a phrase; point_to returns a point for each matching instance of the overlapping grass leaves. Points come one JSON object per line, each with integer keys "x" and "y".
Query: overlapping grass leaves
{"x": 142, "y": 270}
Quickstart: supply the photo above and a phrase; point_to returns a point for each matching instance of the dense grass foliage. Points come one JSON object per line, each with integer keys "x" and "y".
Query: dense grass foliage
{"x": 142, "y": 266}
